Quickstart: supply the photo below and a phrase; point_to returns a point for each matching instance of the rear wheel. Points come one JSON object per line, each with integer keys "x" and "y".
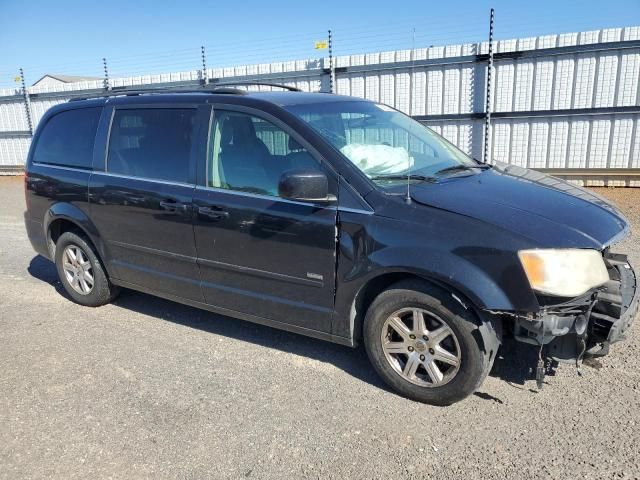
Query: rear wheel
{"x": 81, "y": 272}
{"x": 424, "y": 344}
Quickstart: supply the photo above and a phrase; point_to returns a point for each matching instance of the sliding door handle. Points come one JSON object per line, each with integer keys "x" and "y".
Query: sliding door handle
{"x": 173, "y": 207}
{"x": 212, "y": 213}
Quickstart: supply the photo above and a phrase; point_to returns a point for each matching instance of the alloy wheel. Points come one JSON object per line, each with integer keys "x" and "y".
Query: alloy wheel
{"x": 78, "y": 269}
{"x": 421, "y": 347}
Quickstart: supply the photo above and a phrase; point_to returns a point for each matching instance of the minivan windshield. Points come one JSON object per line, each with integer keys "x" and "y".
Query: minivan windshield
{"x": 386, "y": 145}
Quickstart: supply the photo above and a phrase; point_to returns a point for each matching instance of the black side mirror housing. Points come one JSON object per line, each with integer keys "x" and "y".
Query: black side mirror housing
{"x": 306, "y": 185}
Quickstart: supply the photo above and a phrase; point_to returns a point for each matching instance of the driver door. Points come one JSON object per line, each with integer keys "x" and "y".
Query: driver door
{"x": 259, "y": 254}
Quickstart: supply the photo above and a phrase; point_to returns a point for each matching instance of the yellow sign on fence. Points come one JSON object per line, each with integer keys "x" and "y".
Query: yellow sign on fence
{"x": 321, "y": 45}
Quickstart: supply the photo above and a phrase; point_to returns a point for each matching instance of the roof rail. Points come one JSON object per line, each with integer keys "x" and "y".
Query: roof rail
{"x": 123, "y": 91}
{"x": 217, "y": 88}
{"x": 260, "y": 84}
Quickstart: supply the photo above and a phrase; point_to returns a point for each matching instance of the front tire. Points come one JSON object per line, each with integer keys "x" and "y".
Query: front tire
{"x": 424, "y": 344}
{"x": 81, "y": 272}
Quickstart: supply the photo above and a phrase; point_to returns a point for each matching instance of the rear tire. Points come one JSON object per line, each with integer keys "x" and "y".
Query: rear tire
{"x": 81, "y": 271}
{"x": 424, "y": 344}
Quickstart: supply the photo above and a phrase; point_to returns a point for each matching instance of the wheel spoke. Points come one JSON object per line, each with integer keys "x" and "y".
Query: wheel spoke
{"x": 69, "y": 275}
{"x": 87, "y": 277}
{"x": 444, "y": 356}
{"x": 401, "y": 329}
{"x": 439, "y": 334}
{"x": 83, "y": 285}
{"x": 413, "y": 362}
{"x": 434, "y": 372}
{"x": 395, "y": 347}
{"x": 70, "y": 254}
{"x": 82, "y": 260}
{"x": 419, "y": 326}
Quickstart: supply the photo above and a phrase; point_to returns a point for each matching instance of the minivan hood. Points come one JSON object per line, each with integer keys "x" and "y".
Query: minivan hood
{"x": 547, "y": 210}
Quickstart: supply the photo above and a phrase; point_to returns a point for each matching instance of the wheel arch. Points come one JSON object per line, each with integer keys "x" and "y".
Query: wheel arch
{"x": 64, "y": 217}
{"x": 374, "y": 286}
{"x": 490, "y": 326}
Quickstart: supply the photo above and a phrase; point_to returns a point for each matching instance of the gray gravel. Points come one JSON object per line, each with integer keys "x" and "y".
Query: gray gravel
{"x": 146, "y": 388}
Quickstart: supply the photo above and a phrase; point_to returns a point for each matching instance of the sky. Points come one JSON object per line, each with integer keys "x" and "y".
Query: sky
{"x": 138, "y": 37}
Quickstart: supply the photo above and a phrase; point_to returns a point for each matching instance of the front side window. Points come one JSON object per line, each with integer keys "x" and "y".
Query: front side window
{"x": 67, "y": 138}
{"x": 152, "y": 143}
{"x": 249, "y": 154}
{"x": 383, "y": 143}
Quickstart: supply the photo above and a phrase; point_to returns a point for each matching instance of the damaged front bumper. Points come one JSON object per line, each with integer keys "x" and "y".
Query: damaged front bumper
{"x": 586, "y": 326}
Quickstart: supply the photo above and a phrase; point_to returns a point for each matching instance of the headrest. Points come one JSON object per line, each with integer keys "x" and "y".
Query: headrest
{"x": 294, "y": 145}
{"x": 238, "y": 129}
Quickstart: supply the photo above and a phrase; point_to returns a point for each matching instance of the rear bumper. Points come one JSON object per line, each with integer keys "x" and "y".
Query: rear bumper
{"x": 37, "y": 238}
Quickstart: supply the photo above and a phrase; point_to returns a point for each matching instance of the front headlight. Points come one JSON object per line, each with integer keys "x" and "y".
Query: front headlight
{"x": 564, "y": 272}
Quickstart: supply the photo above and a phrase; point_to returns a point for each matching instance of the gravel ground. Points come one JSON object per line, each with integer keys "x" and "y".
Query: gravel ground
{"x": 145, "y": 388}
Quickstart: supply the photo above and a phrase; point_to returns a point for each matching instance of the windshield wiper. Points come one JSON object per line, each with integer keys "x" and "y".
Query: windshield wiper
{"x": 457, "y": 168}
{"x": 397, "y": 176}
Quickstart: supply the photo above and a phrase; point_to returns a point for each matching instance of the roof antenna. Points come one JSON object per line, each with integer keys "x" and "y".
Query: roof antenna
{"x": 411, "y": 79}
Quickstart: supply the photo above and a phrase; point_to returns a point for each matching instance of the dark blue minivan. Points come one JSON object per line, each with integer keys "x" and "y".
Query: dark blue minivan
{"x": 329, "y": 216}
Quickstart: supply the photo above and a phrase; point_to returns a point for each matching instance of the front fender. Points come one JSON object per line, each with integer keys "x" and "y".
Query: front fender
{"x": 458, "y": 253}
{"x": 490, "y": 278}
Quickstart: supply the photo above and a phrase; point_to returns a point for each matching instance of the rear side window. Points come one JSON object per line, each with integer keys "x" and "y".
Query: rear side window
{"x": 67, "y": 138}
{"x": 152, "y": 143}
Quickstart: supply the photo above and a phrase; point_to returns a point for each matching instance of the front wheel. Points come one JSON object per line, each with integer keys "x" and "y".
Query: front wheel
{"x": 424, "y": 344}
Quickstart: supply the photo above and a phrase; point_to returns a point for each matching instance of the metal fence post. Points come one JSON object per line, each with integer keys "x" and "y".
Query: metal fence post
{"x": 204, "y": 75}
{"x": 27, "y": 102}
{"x": 105, "y": 82}
{"x": 331, "y": 69}
{"x": 487, "y": 118}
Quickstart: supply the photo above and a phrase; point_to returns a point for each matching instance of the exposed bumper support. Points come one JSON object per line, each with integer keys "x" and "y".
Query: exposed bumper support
{"x": 618, "y": 310}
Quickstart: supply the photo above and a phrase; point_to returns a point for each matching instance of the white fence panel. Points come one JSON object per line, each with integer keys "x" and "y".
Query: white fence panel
{"x": 569, "y": 100}
{"x": 13, "y": 116}
{"x": 13, "y": 151}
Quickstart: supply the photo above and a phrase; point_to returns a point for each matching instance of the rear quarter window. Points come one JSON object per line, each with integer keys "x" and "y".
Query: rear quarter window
{"x": 67, "y": 138}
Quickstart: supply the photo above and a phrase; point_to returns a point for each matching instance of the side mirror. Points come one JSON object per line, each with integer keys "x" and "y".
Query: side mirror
{"x": 309, "y": 185}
